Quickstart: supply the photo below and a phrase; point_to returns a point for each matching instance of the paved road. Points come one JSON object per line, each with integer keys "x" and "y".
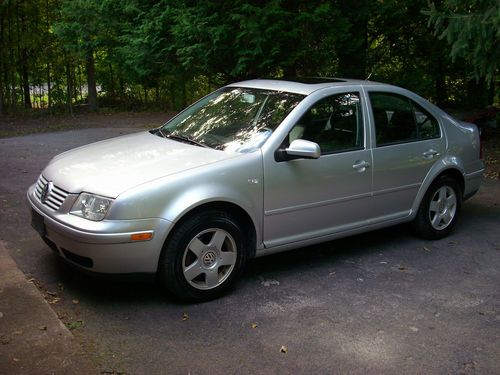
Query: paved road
{"x": 383, "y": 302}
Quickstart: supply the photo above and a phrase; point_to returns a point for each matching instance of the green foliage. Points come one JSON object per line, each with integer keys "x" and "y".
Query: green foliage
{"x": 53, "y": 52}
{"x": 250, "y": 39}
{"x": 472, "y": 28}
{"x": 79, "y": 28}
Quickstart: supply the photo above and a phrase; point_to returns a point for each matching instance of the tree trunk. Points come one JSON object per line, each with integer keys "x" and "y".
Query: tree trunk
{"x": 10, "y": 82}
{"x": 49, "y": 93}
{"x": 491, "y": 92}
{"x": 23, "y": 56}
{"x": 111, "y": 88}
{"x": 440, "y": 84}
{"x": 47, "y": 25}
{"x": 69, "y": 89}
{"x": 91, "y": 83}
{"x": 25, "y": 78}
{"x": 477, "y": 93}
{"x": 2, "y": 48}
{"x": 121, "y": 84}
{"x": 1, "y": 89}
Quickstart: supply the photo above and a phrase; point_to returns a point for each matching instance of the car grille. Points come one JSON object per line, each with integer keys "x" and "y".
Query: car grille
{"x": 54, "y": 196}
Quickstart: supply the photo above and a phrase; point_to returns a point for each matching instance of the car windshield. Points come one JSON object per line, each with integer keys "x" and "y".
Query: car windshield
{"x": 232, "y": 119}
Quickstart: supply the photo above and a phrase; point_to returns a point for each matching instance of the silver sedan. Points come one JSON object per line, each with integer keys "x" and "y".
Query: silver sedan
{"x": 255, "y": 168}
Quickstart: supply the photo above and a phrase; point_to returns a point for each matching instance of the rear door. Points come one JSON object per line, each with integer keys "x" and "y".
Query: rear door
{"x": 408, "y": 140}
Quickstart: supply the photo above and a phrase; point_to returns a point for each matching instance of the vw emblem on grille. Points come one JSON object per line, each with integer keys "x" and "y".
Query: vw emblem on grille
{"x": 46, "y": 191}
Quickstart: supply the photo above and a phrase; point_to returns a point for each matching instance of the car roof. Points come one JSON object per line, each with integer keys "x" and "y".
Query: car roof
{"x": 301, "y": 85}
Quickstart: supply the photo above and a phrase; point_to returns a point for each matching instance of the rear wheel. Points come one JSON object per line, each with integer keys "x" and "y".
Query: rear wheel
{"x": 438, "y": 211}
{"x": 203, "y": 257}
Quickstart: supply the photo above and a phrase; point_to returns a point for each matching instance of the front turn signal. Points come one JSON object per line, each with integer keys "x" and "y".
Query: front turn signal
{"x": 144, "y": 236}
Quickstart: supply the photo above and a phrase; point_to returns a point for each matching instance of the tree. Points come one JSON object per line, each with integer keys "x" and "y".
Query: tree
{"x": 472, "y": 28}
{"x": 352, "y": 43}
{"x": 80, "y": 29}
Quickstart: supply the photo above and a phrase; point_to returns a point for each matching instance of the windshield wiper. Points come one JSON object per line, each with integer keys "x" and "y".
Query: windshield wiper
{"x": 183, "y": 138}
{"x": 162, "y": 133}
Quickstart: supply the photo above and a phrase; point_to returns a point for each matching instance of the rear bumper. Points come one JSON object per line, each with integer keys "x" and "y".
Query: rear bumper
{"x": 107, "y": 247}
{"x": 472, "y": 183}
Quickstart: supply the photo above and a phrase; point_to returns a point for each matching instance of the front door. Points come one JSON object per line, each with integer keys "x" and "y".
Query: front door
{"x": 311, "y": 198}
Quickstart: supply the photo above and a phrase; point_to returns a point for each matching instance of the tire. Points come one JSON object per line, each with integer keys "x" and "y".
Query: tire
{"x": 203, "y": 257}
{"x": 438, "y": 211}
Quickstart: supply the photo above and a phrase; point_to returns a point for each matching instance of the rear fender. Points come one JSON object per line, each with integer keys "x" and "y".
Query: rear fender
{"x": 444, "y": 165}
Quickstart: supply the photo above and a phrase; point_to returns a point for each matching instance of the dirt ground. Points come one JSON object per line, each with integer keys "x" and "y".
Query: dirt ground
{"x": 491, "y": 153}
{"x": 12, "y": 126}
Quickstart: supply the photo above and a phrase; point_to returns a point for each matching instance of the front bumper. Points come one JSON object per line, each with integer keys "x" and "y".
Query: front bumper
{"x": 105, "y": 246}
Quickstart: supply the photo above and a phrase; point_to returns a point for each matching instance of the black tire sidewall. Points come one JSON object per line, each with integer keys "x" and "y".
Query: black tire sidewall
{"x": 170, "y": 270}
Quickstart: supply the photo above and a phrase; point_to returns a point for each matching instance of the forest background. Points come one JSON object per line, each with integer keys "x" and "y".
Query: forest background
{"x": 57, "y": 56}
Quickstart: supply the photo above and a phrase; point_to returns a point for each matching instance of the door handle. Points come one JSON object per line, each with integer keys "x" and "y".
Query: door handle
{"x": 430, "y": 153}
{"x": 360, "y": 165}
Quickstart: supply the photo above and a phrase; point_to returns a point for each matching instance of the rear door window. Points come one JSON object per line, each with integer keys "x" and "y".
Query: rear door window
{"x": 399, "y": 119}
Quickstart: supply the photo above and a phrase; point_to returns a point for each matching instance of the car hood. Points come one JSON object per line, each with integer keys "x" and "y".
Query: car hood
{"x": 115, "y": 165}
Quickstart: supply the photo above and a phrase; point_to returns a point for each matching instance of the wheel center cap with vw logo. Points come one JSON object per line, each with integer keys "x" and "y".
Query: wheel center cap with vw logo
{"x": 46, "y": 190}
{"x": 209, "y": 258}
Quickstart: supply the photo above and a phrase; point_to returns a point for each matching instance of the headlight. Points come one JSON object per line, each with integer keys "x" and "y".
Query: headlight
{"x": 92, "y": 207}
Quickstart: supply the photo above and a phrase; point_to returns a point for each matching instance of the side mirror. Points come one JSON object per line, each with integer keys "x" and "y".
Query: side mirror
{"x": 299, "y": 149}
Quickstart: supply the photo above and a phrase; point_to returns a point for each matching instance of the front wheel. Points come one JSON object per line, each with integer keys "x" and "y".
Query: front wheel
{"x": 438, "y": 211}
{"x": 203, "y": 257}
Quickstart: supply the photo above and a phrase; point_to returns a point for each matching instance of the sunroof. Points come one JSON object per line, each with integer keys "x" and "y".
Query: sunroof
{"x": 311, "y": 80}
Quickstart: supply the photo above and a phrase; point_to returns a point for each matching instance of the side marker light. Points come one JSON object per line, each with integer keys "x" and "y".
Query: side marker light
{"x": 144, "y": 236}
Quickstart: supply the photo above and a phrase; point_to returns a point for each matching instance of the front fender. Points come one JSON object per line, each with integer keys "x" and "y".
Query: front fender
{"x": 238, "y": 181}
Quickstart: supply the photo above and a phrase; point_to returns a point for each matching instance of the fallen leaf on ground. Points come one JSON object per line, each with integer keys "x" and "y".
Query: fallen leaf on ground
{"x": 185, "y": 317}
{"x": 75, "y": 301}
{"x": 74, "y": 325}
{"x": 284, "y": 349}
{"x": 254, "y": 325}
{"x": 270, "y": 282}
{"x": 470, "y": 366}
{"x": 15, "y": 359}
{"x": 4, "y": 339}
